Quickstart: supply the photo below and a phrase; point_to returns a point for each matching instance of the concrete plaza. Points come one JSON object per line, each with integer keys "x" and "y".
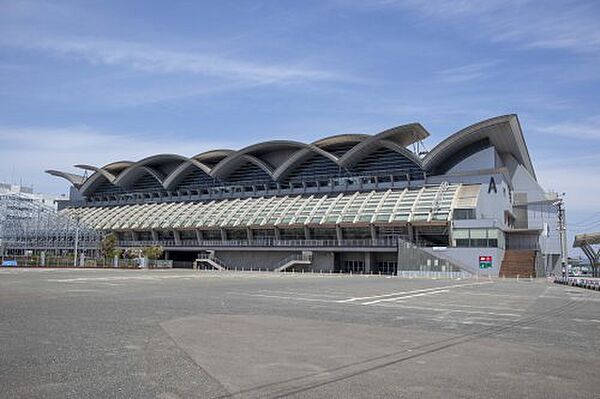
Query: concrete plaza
{"x": 181, "y": 333}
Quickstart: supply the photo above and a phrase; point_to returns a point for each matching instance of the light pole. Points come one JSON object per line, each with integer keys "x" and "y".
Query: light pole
{"x": 562, "y": 234}
{"x": 76, "y": 241}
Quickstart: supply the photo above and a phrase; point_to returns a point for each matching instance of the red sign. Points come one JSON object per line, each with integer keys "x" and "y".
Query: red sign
{"x": 485, "y": 262}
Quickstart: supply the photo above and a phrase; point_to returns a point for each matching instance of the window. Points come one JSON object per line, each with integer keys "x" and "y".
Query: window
{"x": 464, "y": 214}
{"x": 477, "y": 238}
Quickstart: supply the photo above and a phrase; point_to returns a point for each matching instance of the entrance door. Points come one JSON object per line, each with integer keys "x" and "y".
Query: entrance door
{"x": 353, "y": 266}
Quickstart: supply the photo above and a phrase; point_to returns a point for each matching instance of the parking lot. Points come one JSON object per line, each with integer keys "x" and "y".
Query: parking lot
{"x": 182, "y": 333}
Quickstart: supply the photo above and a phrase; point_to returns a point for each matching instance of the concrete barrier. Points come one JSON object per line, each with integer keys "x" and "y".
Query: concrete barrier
{"x": 588, "y": 283}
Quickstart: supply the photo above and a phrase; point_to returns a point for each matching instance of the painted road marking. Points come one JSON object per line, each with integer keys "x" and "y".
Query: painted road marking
{"x": 375, "y": 297}
{"x": 400, "y": 298}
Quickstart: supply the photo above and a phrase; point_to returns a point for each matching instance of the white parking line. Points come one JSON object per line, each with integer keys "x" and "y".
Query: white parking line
{"x": 400, "y": 298}
{"x": 411, "y": 292}
{"x": 446, "y": 310}
{"x": 294, "y": 298}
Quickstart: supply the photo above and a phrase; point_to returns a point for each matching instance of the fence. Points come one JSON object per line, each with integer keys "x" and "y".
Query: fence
{"x": 413, "y": 259}
{"x": 67, "y": 261}
{"x": 382, "y": 242}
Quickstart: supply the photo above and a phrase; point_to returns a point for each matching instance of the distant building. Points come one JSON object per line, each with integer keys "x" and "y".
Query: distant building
{"x": 27, "y": 192}
{"x": 346, "y": 203}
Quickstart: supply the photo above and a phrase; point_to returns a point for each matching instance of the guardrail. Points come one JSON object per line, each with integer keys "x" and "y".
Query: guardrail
{"x": 391, "y": 243}
{"x": 589, "y": 283}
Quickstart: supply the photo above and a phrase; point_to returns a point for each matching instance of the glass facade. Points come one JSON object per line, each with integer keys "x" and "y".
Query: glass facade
{"x": 426, "y": 204}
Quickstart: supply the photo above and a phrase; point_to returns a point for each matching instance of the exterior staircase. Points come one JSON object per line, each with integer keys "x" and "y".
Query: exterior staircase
{"x": 305, "y": 259}
{"x": 210, "y": 259}
{"x": 518, "y": 263}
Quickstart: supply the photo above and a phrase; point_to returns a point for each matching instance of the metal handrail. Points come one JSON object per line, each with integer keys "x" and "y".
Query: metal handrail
{"x": 382, "y": 242}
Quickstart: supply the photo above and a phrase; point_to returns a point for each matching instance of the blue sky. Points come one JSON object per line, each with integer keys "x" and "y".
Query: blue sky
{"x": 99, "y": 81}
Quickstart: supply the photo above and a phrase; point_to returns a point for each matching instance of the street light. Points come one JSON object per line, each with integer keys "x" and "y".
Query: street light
{"x": 76, "y": 240}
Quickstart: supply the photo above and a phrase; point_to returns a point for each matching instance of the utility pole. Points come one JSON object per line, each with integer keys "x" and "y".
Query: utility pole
{"x": 562, "y": 233}
{"x": 76, "y": 242}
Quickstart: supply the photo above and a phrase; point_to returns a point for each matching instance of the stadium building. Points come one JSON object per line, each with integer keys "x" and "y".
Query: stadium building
{"x": 347, "y": 203}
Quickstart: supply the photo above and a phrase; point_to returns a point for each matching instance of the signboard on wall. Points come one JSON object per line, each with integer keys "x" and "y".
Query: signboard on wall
{"x": 485, "y": 262}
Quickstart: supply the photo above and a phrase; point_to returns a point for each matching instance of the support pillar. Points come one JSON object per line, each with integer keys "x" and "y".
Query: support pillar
{"x": 338, "y": 233}
{"x": 373, "y": 230}
{"x": 199, "y": 236}
{"x": 154, "y": 235}
{"x": 177, "y": 237}
{"x": 368, "y": 259}
{"x": 277, "y": 233}
{"x": 249, "y": 234}
{"x": 306, "y": 233}
{"x": 223, "y": 235}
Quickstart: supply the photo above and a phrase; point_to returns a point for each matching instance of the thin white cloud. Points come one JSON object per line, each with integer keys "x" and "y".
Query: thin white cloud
{"x": 525, "y": 23}
{"x": 468, "y": 72}
{"x": 163, "y": 60}
{"x": 587, "y": 129}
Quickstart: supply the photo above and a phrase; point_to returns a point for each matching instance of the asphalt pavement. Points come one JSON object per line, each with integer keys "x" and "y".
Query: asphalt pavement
{"x": 95, "y": 333}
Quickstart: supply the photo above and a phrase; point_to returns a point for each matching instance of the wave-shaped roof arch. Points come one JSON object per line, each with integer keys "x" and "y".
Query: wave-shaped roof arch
{"x": 109, "y": 176}
{"x": 503, "y": 132}
{"x": 317, "y": 148}
{"x": 401, "y": 136}
{"x": 212, "y": 157}
{"x": 105, "y": 173}
{"x": 260, "y": 154}
{"x": 204, "y": 161}
{"x": 75, "y": 180}
{"x": 137, "y": 169}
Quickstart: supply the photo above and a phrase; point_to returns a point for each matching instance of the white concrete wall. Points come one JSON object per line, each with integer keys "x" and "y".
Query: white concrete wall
{"x": 468, "y": 258}
{"x": 485, "y": 159}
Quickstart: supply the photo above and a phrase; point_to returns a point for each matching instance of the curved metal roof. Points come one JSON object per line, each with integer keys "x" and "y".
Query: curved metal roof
{"x": 403, "y": 136}
{"x": 109, "y": 176}
{"x": 504, "y": 132}
{"x": 340, "y": 139}
{"x": 251, "y": 154}
{"x": 589, "y": 238}
{"x": 133, "y": 171}
{"x": 278, "y": 158}
{"x": 75, "y": 180}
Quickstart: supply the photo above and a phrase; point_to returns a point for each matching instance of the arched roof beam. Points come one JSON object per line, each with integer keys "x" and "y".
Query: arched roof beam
{"x": 116, "y": 167}
{"x": 504, "y": 133}
{"x": 403, "y": 151}
{"x": 213, "y": 154}
{"x": 134, "y": 171}
{"x": 299, "y": 157}
{"x": 340, "y": 139}
{"x": 109, "y": 176}
{"x": 75, "y": 180}
{"x": 225, "y": 167}
{"x": 401, "y": 136}
{"x": 182, "y": 171}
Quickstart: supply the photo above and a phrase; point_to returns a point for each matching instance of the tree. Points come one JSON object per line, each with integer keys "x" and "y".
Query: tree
{"x": 152, "y": 253}
{"x": 109, "y": 246}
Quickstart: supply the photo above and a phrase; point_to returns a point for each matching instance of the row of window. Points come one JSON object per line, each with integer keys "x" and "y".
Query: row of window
{"x": 478, "y": 238}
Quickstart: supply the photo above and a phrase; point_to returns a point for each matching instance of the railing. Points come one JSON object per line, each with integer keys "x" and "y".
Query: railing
{"x": 412, "y": 258}
{"x": 387, "y": 243}
{"x": 303, "y": 258}
{"x": 434, "y": 274}
{"x": 211, "y": 258}
{"x": 219, "y": 191}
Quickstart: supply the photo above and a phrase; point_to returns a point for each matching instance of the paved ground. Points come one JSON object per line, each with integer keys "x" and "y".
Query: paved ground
{"x": 171, "y": 334}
